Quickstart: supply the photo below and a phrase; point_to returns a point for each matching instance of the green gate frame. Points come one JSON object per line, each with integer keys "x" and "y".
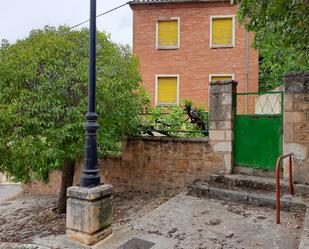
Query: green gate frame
{"x": 258, "y": 137}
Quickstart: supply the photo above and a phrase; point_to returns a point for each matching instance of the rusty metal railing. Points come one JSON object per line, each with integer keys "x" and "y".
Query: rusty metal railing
{"x": 278, "y": 181}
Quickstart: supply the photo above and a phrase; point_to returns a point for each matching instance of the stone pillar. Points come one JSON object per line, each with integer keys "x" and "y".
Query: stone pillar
{"x": 296, "y": 123}
{"x": 222, "y": 111}
{"x": 89, "y": 214}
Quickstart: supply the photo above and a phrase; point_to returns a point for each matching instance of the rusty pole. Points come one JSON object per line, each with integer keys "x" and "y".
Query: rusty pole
{"x": 278, "y": 182}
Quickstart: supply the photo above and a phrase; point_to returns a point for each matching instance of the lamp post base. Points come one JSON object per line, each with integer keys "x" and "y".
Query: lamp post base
{"x": 89, "y": 214}
{"x": 90, "y": 180}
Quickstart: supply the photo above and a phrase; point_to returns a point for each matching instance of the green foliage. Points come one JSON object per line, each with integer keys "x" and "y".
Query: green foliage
{"x": 281, "y": 30}
{"x": 174, "y": 121}
{"x": 43, "y": 82}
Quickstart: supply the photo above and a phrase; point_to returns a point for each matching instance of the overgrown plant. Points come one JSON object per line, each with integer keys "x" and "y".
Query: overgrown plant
{"x": 185, "y": 120}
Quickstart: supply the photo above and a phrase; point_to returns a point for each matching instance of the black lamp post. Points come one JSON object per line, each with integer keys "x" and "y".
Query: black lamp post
{"x": 91, "y": 174}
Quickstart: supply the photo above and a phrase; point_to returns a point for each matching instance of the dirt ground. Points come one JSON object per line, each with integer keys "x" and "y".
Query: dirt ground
{"x": 24, "y": 218}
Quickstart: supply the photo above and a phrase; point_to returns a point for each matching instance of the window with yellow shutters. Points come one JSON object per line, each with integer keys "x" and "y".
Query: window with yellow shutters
{"x": 166, "y": 90}
{"x": 222, "y": 32}
{"x": 216, "y": 77}
{"x": 168, "y": 34}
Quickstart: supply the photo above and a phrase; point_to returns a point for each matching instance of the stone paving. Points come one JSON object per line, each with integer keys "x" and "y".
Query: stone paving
{"x": 191, "y": 223}
{"x": 186, "y": 222}
{"x": 304, "y": 244}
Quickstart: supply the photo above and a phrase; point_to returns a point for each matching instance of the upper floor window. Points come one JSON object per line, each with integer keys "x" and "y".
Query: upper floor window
{"x": 168, "y": 34}
{"x": 167, "y": 90}
{"x": 222, "y": 31}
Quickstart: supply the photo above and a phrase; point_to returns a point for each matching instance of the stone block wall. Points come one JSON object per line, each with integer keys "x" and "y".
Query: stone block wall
{"x": 52, "y": 187}
{"x": 161, "y": 163}
{"x": 222, "y": 111}
{"x": 40, "y": 188}
{"x": 149, "y": 164}
{"x": 296, "y": 123}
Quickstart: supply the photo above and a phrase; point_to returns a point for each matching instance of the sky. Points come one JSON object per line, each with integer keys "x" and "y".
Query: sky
{"x": 19, "y": 17}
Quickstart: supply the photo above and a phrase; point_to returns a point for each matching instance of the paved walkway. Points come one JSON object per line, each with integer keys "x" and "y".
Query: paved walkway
{"x": 8, "y": 191}
{"x": 186, "y": 222}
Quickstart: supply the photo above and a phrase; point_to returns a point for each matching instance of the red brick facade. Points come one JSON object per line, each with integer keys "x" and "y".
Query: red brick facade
{"x": 194, "y": 61}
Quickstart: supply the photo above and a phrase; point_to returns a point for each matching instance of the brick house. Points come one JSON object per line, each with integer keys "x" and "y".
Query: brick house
{"x": 183, "y": 44}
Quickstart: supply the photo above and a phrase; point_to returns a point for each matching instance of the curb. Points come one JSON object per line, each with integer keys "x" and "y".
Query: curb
{"x": 288, "y": 203}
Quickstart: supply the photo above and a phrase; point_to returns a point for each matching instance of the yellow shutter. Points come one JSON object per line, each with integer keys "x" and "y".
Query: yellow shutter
{"x": 168, "y": 33}
{"x": 167, "y": 90}
{"x": 222, "y": 31}
{"x": 214, "y": 78}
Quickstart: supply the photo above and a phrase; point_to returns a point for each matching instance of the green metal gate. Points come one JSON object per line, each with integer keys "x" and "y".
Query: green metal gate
{"x": 258, "y": 129}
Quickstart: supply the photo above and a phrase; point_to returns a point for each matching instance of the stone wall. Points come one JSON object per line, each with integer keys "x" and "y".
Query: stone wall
{"x": 40, "y": 188}
{"x": 150, "y": 164}
{"x": 161, "y": 163}
{"x": 296, "y": 123}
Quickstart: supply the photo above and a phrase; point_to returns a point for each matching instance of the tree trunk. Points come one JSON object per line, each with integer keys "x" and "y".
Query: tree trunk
{"x": 66, "y": 181}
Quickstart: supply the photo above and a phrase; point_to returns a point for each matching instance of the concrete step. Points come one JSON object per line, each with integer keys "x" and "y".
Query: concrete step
{"x": 262, "y": 184}
{"x": 288, "y": 202}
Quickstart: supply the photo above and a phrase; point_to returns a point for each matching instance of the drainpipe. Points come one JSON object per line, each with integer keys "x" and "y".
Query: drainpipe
{"x": 246, "y": 70}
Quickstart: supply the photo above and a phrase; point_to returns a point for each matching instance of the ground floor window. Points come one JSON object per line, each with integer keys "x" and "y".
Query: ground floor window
{"x": 167, "y": 90}
{"x": 215, "y": 77}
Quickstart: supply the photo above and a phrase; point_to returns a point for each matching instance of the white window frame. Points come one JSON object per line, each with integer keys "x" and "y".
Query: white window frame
{"x": 221, "y": 75}
{"x": 233, "y": 29}
{"x": 156, "y": 88}
{"x": 157, "y": 34}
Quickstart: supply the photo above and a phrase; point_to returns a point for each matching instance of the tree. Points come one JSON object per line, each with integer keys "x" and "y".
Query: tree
{"x": 43, "y": 98}
{"x": 281, "y": 30}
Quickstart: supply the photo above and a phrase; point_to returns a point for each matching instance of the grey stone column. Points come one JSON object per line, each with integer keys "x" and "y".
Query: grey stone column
{"x": 296, "y": 123}
{"x": 222, "y": 111}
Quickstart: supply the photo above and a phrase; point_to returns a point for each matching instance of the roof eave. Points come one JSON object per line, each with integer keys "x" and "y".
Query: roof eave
{"x": 176, "y": 2}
